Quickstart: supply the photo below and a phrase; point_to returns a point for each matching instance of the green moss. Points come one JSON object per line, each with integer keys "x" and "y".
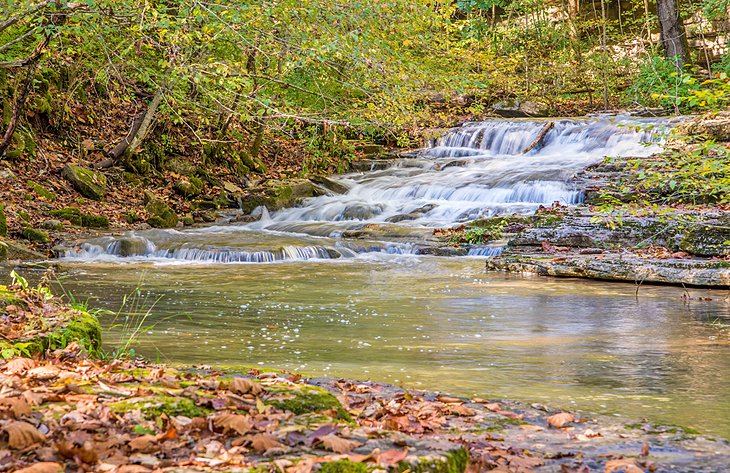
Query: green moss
{"x": 83, "y": 328}
{"x": 41, "y": 191}
{"x": 3, "y": 251}
{"x": 3, "y": 222}
{"x": 344, "y": 466}
{"x": 309, "y": 399}
{"x": 158, "y": 405}
{"x": 74, "y": 215}
{"x": 452, "y": 462}
{"x": 31, "y": 234}
{"x": 91, "y": 184}
{"x": 94, "y": 221}
{"x": 162, "y": 216}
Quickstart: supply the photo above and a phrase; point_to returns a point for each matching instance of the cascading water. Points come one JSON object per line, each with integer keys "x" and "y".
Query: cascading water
{"x": 474, "y": 171}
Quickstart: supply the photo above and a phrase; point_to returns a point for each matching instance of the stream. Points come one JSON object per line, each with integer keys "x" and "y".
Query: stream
{"x": 292, "y": 291}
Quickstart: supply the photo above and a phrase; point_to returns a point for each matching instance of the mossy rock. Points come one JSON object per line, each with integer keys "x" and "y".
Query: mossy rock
{"x": 3, "y": 222}
{"x": 188, "y": 187}
{"x": 94, "y": 221}
{"x": 38, "y": 236}
{"x": 76, "y": 217}
{"x": 179, "y": 166}
{"x": 91, "y": 184}
{"x": 80, "y": 327}
{"x": 41, "y": 191}
{"x": 153, "y": 407}
{"x": 72, "y": 214}
{"x": 309, "y": 399}
{"x": 707, "y": 240}
{"x": 161, "y": 214}
{"x": 3, "y": 251}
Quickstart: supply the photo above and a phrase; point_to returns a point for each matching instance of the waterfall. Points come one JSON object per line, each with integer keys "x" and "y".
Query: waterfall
{"x": 474, "y": 171}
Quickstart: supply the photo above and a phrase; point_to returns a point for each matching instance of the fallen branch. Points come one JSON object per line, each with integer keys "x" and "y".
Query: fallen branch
{"x": 547, "y": 127}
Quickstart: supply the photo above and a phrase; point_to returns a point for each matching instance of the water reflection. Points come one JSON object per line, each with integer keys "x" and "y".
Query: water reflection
{"x": 444, "y": 324}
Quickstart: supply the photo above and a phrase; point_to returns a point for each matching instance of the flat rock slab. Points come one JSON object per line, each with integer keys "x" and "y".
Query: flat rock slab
{"x": 619, "y": 267}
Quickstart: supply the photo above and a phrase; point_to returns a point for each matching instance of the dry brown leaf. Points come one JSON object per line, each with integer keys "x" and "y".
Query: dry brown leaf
{"x": 44, "y": 373}
{"x": 338, "y": 444}
{"x": 263, "y": 442}
{"x": 460, "y": 410}
{"x": 133, "y": 469}
{"x": 245, "y": 386}
{"x": 17, "y": 406}
{"x": 391, "y": 457}
{"x": 531, "y": 427}
{"x": 238, "y": 423}
{"x": 628, "y": 465}
{"x": 143, "y": 442}
{"x": 22, "y": 435}
{"x": 560, "y": 419}
{"x": 19, "y": 365}
{"x": 43, "y": 467}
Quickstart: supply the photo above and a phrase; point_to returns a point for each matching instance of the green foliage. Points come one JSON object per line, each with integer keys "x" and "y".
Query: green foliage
{"x": 683, "y": 91}
{"x": 697, "y": 175}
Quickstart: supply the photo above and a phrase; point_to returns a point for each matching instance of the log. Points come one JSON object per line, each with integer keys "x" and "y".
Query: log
{"x": 541, "y": 136}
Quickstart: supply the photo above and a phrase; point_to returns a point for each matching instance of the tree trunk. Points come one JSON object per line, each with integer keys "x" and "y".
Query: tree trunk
{"x": 137, "y": 134}
{"x": 671, "y": 30}
{"x": 17, "y": 112}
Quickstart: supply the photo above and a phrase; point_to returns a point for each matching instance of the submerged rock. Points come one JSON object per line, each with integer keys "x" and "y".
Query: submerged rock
{"x": 91, "y": 184}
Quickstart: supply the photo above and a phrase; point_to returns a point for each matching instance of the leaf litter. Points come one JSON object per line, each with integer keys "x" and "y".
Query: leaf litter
{"x": 73, "y": 413}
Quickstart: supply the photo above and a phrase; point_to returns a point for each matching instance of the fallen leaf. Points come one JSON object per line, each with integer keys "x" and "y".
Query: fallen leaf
{"x": 531, "y": 427}
{"x": 628, "y": 465}
{"x": 238, "y": 423}
{"x": 43, "y": 467}
{"x": 391, "y": 457}
{"x": 245, "y": 386}
{"x": 22, "y": 435}
{"x": 44, "y": 373}
{"x": 263, "y": 442}
{"x": 133, "y": 469}
{"x": 17, "y": 406}
{"x": 338, "y": 444}
{"x": 143, "y": 442}
{"x": 19, "y": 365}
{"x": 560, "y": 419}
{"x": 645, "y": 450}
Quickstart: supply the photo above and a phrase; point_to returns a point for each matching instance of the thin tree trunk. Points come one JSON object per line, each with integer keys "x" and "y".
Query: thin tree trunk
{"x": 671, "y": 30}
{"x": 605, "y": 55}
{"x": 16, "y": 114}
{"x": 140, "y": 127}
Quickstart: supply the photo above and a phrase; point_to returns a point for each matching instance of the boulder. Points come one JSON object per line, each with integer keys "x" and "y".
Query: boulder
{"x": 275, "y": 195}
{"x": 514, "y": 108}
{"x": 161, "y": 214}
{"x": 715, "y": 127}
{"x": 91, "y": 184}
{"x": 31, "y": 234}
{"x": 189, "y": 187}
{"x": 707, "y": 240}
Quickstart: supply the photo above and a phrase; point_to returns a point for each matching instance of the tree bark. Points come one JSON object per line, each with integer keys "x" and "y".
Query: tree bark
{"x": 140, "y": 127}
{"x": 671, "y": 31}
{"x": 17, "y": 112}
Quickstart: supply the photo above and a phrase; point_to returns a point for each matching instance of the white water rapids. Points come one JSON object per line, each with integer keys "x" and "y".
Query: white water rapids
{"x": 474, "y": 171}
